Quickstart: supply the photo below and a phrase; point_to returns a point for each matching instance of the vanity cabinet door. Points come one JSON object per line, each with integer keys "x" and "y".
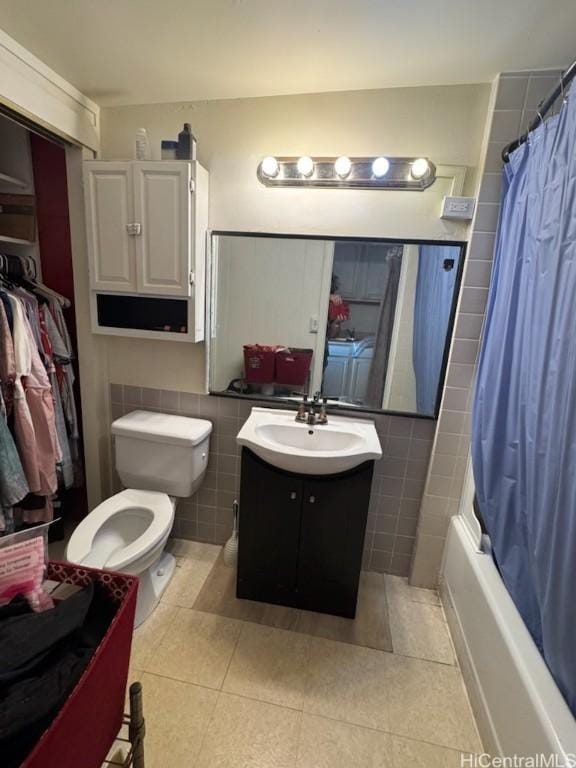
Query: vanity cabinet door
{"x": 334, "y": 514}
{"x": 269, "y": 530}
{"x": 109, "y": 208}
{"x": 162, "y": 193}
{"x": 337, "y": 374}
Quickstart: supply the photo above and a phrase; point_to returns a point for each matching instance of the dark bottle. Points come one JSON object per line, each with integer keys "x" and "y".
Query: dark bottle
{"x": 186, "y": 149}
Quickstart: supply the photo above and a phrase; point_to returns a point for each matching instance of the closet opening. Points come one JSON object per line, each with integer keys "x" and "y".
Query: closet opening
{"x": 42, "y": 470}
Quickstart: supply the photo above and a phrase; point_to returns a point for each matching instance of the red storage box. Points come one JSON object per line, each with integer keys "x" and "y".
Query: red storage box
{"x": 259, "y": 364}
{"x": 85, "y": 728}
{"x": 293, "y": 366}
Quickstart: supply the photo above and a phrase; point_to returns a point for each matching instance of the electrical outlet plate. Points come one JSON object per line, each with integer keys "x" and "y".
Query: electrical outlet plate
{"x": 458, "y": 208}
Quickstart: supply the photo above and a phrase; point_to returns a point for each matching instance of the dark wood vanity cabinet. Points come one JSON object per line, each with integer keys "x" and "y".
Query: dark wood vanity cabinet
{"x": 301, "y": 536}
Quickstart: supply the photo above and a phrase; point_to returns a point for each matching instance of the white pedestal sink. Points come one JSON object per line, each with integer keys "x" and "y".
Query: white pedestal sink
{"x": 319, "y": 449}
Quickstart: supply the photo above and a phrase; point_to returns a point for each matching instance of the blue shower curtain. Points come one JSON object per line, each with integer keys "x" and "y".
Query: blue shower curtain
{"x": 524, "y": 421}
{"x": 432, "y": 307}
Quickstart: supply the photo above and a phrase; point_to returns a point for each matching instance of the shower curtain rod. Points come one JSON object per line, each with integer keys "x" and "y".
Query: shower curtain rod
{"x": 543, "y": 109}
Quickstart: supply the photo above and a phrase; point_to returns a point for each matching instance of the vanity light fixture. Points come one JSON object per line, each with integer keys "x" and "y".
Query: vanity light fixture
{"x": 344, "y": 172}
{"x": 380, "y": 167}
{"x": 270, "y": 167}
{"x": 420, "y": 168}
{"x": 343, "y": 166}
{"x": 305, "y": 166}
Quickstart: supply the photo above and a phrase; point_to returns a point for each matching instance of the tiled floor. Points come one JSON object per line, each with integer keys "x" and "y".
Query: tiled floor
{"x": 220, "y": 692}
{"x": 371, "y": 628}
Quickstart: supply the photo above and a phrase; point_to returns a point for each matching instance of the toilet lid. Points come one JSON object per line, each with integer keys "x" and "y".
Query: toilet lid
{"x": 162, "y": 516}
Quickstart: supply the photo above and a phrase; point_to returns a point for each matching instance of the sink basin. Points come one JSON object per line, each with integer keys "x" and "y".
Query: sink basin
{"x": 321, "y": 449}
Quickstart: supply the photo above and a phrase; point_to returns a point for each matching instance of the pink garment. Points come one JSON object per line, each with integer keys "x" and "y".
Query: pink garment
{"x": 41, "y": 404}
{"x": 23, "y": 427}
{"x": 34, "y": 422}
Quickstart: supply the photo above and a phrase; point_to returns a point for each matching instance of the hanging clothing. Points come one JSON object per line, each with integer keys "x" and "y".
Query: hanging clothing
{"x": 65, "y": 468}
{"x": 13, "y": 485}
{"x": 7, "y": 363}
{"x": 63, "y": 355}
{"x": 24, "y": 434}
{"x": 524, "y": 417}
{"x": 37, "y": 408}
{"x": 35, "y": 425}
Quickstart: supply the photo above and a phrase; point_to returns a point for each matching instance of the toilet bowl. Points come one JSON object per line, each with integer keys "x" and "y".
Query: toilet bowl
{"x": 128, "y": 533}
{"x": 159, "y": 456}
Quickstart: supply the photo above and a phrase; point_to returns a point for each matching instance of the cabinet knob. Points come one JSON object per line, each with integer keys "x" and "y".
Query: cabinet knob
{"x": 293, "y": 495}
{"x": 312, "y": 499}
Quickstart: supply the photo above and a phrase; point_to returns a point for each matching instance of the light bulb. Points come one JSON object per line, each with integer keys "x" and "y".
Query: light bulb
{"x": 305, "y": 166}
{"x": 420, "y": 168}
{"x": 343, "y": 166}
{"x": 380, "y": 167}
{"x": 270, "y": 167}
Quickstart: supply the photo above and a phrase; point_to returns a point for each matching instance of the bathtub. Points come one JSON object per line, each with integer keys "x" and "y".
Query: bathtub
{"x": 517, "y": 704}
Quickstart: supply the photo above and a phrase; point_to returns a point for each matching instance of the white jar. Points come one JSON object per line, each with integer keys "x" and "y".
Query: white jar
{"x": 141, "y": 146}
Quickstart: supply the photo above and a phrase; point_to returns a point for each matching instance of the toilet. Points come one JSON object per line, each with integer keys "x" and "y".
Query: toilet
{"x": 159, "y": 458}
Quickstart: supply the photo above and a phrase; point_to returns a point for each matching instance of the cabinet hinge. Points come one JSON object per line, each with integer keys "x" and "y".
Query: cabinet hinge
{"x": 192, "y": 185}
{"x": 134, "y": 228}
{"x": 191, "y": 277}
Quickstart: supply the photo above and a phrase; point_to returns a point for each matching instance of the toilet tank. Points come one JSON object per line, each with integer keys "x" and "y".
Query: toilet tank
{"x": 161, "y": 452}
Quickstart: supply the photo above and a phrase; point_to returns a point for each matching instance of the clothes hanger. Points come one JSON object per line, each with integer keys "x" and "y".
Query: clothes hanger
{"x": 43, "y": 290}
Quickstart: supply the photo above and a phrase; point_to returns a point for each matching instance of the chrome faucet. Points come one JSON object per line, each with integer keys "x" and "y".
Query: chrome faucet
{"x": 307, "y": 413}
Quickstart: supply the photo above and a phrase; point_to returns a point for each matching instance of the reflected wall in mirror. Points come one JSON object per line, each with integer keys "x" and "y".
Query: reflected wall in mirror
{"x": 366, "y": 323}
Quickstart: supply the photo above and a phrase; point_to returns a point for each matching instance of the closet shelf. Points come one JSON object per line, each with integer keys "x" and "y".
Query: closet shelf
{"x": 6, "y": 179}
{"x": 15, "y": 240}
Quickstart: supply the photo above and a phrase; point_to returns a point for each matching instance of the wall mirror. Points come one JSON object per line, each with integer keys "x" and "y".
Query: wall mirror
{"x": 365, "y": 322}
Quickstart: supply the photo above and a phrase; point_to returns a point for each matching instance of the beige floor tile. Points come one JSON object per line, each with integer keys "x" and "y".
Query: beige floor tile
{"x": 269, "y": 664}
{"x": 187, "y": 581}
{"x": 398, "y": 586}
{"x": 331, "y": 744}
{"x": 421, "y": 631}
{"x": 347, "y": 682}
{"x": 427, "y": 701}
{"x": 370, "y": 628}
{"x": 196, "y": 550}
{"x": 149, "y": 634}
{"x": 197, "y": 649}
{"x": 407, "y": 753}
{"x": 218, "y": 595}
{"x": 177, "y": 717}
{"x": 244, "y": 733}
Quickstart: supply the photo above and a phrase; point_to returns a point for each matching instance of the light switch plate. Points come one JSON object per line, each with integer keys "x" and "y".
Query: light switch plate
{"x": 458, "y": 208}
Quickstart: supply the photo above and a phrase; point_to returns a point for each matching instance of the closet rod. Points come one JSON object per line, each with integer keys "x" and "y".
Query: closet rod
{"x": 543, "y": 108}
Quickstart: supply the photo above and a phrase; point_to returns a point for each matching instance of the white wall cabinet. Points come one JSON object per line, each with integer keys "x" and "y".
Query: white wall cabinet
{"x": 108, "y": 195}
{"x": 147, "y": 224}
{"x": 361, "y": 271}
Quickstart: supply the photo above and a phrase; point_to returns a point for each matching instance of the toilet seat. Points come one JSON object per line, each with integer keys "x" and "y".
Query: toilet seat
{"x": 158, "y": 507}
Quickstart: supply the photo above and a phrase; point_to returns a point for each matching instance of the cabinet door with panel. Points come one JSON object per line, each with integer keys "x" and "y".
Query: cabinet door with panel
{"x": 108, "y": 194}
{"x": 336, "y": 380}
{"x": 334, "y": 514}
{"x": 373, "y": 272}
{"x": 347, "y": 268}
{"x": 270, "y": 512}
{"x": 162, "y": 196}
{"x": 359, "y": 376}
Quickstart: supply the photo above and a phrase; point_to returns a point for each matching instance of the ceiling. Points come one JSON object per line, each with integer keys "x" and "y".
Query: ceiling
{"x": 143, "y": 51}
